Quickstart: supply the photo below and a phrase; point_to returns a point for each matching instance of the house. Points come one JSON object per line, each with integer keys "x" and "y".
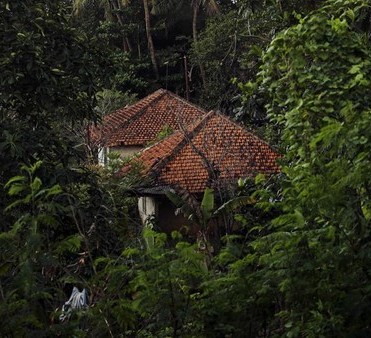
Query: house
{"x": 130, "y": 129}
{"x": 212, "y": 152}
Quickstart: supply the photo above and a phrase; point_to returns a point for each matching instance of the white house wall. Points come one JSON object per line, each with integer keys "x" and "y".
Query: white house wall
{"x": 147, "y": 207}
{"x": 123, "y": 151}
{"x": 126, "y": 151}
{"x": 102, "y": 156}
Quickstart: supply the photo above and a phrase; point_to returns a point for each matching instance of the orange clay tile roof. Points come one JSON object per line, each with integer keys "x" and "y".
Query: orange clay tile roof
{"x": 214, "y": 151}
{"x": 141, "y": 122}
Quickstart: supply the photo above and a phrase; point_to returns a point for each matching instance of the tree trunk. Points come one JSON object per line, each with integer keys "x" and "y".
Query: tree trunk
{"x": 149, "y": 38}
{"x": 125, "y": 40}
{"x": 186, "y": 77}
{"x": 196, "y": 9}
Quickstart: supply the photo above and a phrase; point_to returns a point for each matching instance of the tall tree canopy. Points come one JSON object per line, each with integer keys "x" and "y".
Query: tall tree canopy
{"x": 47, "y": 86}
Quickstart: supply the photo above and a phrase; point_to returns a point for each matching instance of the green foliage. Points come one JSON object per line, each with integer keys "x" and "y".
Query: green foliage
{"x": 146, "y": 291}
{"x": 50, "y": 206}
{"x": 165, "y": 287}
{"x": 304, "y": 273}
{"x": 42, "y": 54}
{"x": 129, "y": 73}
{"x": 219, "y": 48}
{"x": 109, "y": 101}
{"x": 231, "y": 46}
{"x": 207, "y": 205}
{"x": 46, "y": 81}
{"x": 199, "y": 213}
{"x": 315, "y": 261}
{"x": 163, "y": 133}
{"x": 29, "y": 254}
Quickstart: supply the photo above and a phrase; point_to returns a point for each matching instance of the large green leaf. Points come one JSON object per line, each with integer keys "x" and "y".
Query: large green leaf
{"x": 207, "y": 205}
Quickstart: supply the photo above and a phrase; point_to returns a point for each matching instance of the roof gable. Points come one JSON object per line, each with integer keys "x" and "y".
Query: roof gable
{"x": 141, "y": 122}
{"x": 214, "y": 151}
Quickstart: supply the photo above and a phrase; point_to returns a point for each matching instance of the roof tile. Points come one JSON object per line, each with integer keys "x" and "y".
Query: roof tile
{"x": 141, "y": 122}
{"x": 210, "y": 151}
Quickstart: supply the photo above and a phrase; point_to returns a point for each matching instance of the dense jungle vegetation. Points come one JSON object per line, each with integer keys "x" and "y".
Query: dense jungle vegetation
{"x": 298, "y": 72}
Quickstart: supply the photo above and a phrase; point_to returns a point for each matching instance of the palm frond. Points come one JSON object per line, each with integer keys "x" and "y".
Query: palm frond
{"x": 235, "y": 204}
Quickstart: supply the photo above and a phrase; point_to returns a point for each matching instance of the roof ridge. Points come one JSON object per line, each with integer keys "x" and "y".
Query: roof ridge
{"x": 137, "y": 115}
{"x": 184, "y": 100}
{"x": 136, "y": 103}
{"x": 108, "y": 130}
{"x": 186, "y": 137}
{"x": 244, "y": 128}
